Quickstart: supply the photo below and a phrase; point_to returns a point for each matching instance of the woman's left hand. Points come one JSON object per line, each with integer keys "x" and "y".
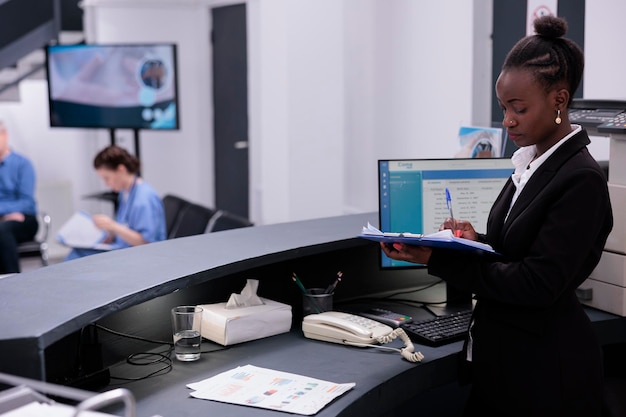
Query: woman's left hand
{"x": 408, "y": 253}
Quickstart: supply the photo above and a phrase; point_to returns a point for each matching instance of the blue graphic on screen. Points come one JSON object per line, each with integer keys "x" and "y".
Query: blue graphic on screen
{"x": 404, "y": 191}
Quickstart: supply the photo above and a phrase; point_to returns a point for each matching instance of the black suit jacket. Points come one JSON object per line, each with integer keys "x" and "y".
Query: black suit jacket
{"x": 534, "y": 351}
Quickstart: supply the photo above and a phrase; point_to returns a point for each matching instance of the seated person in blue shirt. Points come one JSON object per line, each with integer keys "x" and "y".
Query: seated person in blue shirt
{"x": 140, "y": 216}
{"x": 18, "y": 209}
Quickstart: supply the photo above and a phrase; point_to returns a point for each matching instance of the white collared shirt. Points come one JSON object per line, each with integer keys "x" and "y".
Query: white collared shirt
{"x": 525, "y": 167}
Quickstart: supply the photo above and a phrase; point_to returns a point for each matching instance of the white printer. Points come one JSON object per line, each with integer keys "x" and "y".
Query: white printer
{"x": 605, "y": 289}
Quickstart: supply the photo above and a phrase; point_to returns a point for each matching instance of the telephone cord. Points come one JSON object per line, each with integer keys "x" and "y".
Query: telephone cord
{"x": 408, "y": 352}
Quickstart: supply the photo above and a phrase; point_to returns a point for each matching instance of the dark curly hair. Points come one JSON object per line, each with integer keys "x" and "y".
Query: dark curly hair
{"x": 113, "y": 156}
{"x": 552, "y": 59}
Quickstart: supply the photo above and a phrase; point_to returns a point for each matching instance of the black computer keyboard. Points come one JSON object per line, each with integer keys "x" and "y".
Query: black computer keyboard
{"x": 439, "y": 330}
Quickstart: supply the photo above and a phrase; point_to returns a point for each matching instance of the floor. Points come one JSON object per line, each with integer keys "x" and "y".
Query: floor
{"x": 32, "y": 263}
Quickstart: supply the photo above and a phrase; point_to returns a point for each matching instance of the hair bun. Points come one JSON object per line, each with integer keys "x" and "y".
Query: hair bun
{"x": 550, "y": 26}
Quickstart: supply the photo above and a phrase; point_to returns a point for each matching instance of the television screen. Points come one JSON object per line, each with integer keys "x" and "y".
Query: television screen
{"x": 130, "y": 86}
{"x": 412, "y": 194}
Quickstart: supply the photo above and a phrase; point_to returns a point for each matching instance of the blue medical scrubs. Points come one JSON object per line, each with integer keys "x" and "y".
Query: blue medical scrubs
{"x": 141, "y": 209}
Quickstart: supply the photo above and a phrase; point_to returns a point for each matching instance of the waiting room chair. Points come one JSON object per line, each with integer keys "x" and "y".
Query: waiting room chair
{"x": 184, "y": 218}
{"x": 223, "y": 220}
{"x": 173, "y": 207}
{"x": 39, "y": 245}
{"x": 191, "y": 220}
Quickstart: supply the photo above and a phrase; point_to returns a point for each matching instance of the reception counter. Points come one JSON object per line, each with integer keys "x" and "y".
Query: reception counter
{"x": 41, "y": 307}
{"x": 47, "y": 316}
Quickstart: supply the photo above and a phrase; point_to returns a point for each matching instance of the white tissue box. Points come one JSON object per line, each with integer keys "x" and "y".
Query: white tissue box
{"x": 228, "y": 326}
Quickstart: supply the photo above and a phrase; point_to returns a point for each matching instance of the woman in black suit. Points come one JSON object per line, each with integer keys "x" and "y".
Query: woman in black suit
{"x": 531, "y": 349}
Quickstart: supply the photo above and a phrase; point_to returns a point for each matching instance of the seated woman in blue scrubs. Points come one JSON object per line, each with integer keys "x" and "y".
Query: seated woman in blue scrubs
{"x": 140, "y": 215}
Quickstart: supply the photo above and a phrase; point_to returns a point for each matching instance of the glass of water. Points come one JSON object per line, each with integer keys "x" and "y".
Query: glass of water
{"x": 186, "y": 322}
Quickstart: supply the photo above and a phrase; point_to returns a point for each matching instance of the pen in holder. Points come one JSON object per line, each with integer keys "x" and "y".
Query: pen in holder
{"x": 331, "y": 288}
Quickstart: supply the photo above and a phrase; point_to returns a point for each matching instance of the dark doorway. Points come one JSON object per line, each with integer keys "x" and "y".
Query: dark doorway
{"x": 509, "y": 26}
{"x": 230, "y": 108}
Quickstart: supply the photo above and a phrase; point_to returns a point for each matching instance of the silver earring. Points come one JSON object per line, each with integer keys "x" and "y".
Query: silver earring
{"x": 558, "y": 117}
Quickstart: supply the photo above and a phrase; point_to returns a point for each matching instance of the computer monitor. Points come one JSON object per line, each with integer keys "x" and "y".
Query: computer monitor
{"x": 412, "y": 194}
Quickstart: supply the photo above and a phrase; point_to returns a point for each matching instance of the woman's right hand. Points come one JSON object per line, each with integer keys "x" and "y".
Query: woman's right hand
{"x": 460, "y": 228}
{"x": 104, "y": 222}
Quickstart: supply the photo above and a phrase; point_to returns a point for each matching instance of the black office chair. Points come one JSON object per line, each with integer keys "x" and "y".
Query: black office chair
{"x": 173, "y": 207}
{"x": 223, "y": 220}
{"x": 39, "y": 245}
{"x": 192, "y": 220}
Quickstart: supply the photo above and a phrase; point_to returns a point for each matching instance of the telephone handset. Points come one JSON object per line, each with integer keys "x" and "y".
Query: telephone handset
{"x": 349, "y": 329}
{"x": 337, "y": 327}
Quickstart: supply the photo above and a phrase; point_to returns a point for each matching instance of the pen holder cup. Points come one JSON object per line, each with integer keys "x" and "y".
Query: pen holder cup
{"x": 316, "y": 300}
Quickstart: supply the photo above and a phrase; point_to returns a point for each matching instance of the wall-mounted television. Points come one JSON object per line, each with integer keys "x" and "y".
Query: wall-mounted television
{"x": 125, "y": 86}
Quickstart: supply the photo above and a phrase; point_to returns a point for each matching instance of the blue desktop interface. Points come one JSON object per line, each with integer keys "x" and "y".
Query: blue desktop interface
{"x": 412, "y": 193}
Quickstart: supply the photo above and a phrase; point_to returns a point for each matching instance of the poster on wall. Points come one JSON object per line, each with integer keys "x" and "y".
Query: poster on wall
{"x": 538, "y": 8}
{"x": 479, "y": 142}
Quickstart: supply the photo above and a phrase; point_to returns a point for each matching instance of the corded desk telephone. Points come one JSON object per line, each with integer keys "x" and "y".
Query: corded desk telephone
{"x": 353, "y": 330}
{"x": 336, "y": 327}
{"x": 606, "y": 116}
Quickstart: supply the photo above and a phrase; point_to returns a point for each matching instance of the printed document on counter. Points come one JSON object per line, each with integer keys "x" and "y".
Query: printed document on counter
{"x": 266, "y": 388}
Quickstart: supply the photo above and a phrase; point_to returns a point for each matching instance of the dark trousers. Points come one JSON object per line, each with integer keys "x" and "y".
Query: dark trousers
{"x": 477, "y": 407}
{"x": 12, "y": 233}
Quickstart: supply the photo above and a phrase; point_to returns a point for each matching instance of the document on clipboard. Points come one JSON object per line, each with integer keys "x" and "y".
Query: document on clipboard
{"x": 442, "y": 239}
{"x": 81, "y": 232}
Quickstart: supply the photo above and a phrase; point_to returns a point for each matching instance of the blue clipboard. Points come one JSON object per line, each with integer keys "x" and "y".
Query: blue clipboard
{"x": 443, "y": 239}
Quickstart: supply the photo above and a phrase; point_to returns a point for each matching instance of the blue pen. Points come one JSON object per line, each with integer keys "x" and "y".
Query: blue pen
{"x": 449, "y": 204}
